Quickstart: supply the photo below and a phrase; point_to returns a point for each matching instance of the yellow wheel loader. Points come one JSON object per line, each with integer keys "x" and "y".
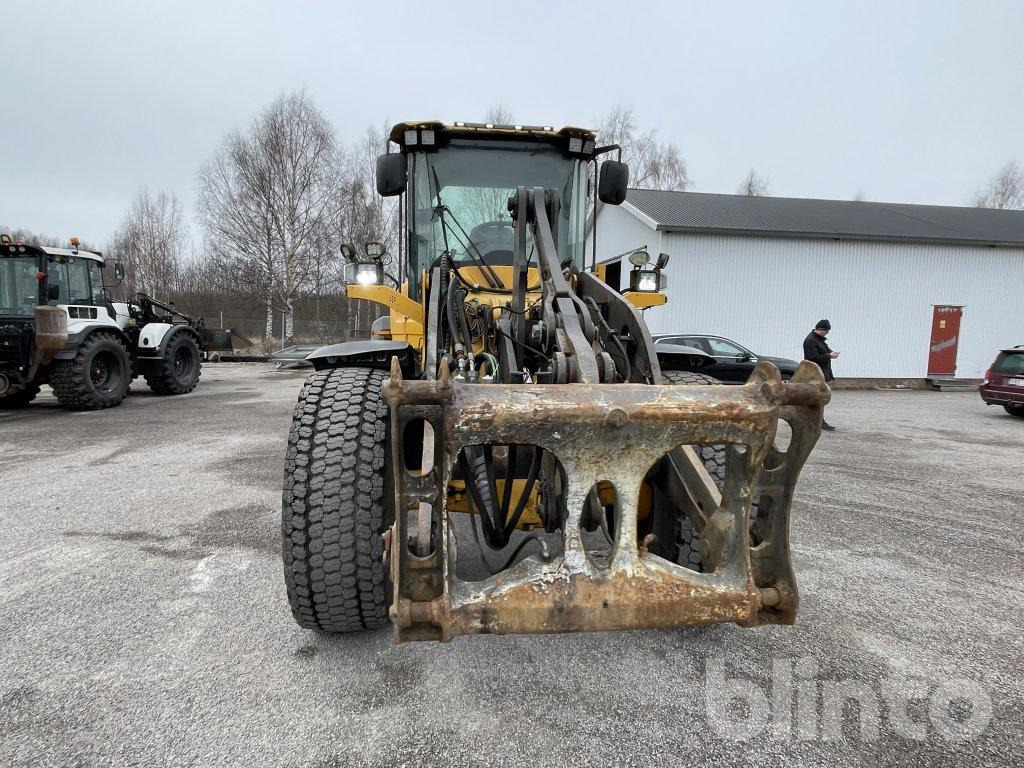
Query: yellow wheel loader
{"x": 510, "y": 452}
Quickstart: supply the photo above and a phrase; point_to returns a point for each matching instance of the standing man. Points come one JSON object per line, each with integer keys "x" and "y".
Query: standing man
{"x": 817, "y": 350}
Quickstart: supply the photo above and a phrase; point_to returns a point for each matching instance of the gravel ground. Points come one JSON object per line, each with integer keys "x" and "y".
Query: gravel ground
{"x": 143, "y": 618}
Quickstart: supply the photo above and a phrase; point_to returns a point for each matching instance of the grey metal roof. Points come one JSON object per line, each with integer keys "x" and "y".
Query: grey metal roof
{"x": 845, "y": 219}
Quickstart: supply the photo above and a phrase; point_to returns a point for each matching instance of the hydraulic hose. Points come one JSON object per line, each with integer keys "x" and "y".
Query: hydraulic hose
{"x": 478, "y": 485}
{"x": 453, "y": 327}
{"x": 531, "y": 478}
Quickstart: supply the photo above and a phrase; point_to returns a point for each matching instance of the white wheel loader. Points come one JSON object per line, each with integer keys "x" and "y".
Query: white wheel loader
{"x": 59, "y": 327}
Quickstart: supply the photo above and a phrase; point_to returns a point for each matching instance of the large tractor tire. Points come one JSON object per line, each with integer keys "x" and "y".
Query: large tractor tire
{"x": 96, "y": 377}
{"x": 180, "y": 368}
{"x": 19, "y": 399}
{"x": 687, "y": 539}
{"x": 334, "y": 507}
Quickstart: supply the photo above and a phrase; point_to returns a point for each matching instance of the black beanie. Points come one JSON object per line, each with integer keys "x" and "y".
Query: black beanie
{"x": 824, "y": 325}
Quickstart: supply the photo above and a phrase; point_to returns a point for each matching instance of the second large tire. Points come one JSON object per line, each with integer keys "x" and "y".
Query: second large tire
{"x": 96, "y": 377}
{"x": 687, "y": 539}
{"x": 180, "y": 368}
{"x": 334, "y": 508}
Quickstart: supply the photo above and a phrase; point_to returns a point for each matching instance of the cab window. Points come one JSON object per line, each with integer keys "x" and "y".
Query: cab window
{"x": 96, "y": 283}
{"x": 78, "y": 282}
{"x": 74, "y": 278}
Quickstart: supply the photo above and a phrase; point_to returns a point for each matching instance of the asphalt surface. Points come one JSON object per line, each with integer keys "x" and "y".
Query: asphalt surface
{"x": 143, "y": 618}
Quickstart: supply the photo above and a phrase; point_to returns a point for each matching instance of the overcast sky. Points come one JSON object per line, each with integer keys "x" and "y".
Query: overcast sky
{"x": 911, "y": 102}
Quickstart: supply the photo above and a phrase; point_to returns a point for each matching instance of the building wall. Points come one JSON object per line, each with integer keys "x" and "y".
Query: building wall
{"x": 767, "y": 293}
{"x": 619, "y": 231}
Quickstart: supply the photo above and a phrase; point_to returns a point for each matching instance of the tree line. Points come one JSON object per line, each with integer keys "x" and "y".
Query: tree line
{"x": 275, "y": 200}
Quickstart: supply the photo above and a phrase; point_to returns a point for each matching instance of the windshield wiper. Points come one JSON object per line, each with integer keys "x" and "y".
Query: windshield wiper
{"x": 488, "y": 272}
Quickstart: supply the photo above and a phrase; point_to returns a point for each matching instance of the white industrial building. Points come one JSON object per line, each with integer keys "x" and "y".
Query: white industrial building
{"x": 763, "y": 270}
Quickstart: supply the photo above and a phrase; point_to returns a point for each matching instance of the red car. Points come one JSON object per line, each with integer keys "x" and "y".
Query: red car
{"x": 1004, "y": 381}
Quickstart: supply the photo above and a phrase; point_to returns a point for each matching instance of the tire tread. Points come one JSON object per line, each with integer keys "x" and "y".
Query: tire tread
{"x": 68, "y": 378}
{"x": 333, "y": 506}
{"x": 713, "y": 456}
{"x": 165, "y": 382}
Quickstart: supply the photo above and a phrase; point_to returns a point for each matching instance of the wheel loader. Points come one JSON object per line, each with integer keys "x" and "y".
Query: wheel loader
{"x": 510, "y": 452}
{"x": 59, "y": 327}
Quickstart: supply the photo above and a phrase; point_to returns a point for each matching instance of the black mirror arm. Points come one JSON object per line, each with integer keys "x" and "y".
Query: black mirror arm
{"x": 609, "y": 148}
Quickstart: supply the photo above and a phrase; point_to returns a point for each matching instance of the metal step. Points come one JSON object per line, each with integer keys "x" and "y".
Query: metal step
{"x": 952, "y": 385}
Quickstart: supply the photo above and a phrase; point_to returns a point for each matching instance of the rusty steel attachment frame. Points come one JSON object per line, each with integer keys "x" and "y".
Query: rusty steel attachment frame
{"x": 613, "y": 433}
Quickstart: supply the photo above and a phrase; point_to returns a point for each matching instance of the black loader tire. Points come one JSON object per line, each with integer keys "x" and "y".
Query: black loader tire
{"x": 96, "y": 377}
{"x": 687, "y": 543}
{"x": 1015, "y": 410}
{"x": 334, "y": 508}
{"x": 21, "y": 398}
{"x": 180, "y": 368}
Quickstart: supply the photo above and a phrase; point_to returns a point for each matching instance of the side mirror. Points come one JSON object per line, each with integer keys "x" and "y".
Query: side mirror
{"x": 613, "y": 181}
{"x": 348, "y": 253}
{"x": 52, "y": 292}
{"x": 119, "y": 272}
{"x": 391, "y": 174}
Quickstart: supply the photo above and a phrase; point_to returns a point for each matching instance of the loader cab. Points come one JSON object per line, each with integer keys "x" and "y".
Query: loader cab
{"x": 32, "y": 276}
{"x": 458, "y": 180}
{"x": 20, "y": 288}
{"x": 74, "y": 278}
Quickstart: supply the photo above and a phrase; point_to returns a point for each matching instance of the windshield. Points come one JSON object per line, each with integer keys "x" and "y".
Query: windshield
{"x": 19, "y": 289}
{"x": 473, "y": 180}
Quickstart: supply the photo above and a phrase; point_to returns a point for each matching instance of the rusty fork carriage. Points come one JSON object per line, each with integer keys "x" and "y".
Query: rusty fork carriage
{"x": 612, "y": 434}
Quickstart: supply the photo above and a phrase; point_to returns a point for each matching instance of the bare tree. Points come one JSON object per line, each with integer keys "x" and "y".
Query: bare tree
{"x": 267, "y": 198}
{"x": 754, "y": 185}
{"x": 483, "y": 204}
{"x": 1005, "y": 190}
{"x": 499, "y": 114}
{"x": 859, "y": 196}
{"x": 27, "y": 236}
{"x": 152, "y": 241}
{"x": 364, "y": 216}
{"x": 653, "y": 164}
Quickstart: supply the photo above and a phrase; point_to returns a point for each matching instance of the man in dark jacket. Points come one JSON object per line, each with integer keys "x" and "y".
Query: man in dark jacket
{"x": 817, "y": 350}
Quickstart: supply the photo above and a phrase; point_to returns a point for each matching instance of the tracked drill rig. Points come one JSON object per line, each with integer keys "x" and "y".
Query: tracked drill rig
{"x": 510, "y": 452}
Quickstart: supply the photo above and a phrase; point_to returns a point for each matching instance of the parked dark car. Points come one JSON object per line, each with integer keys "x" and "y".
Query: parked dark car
{"x": 1004, "y": 381}
{"x": 733, "y": 362}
